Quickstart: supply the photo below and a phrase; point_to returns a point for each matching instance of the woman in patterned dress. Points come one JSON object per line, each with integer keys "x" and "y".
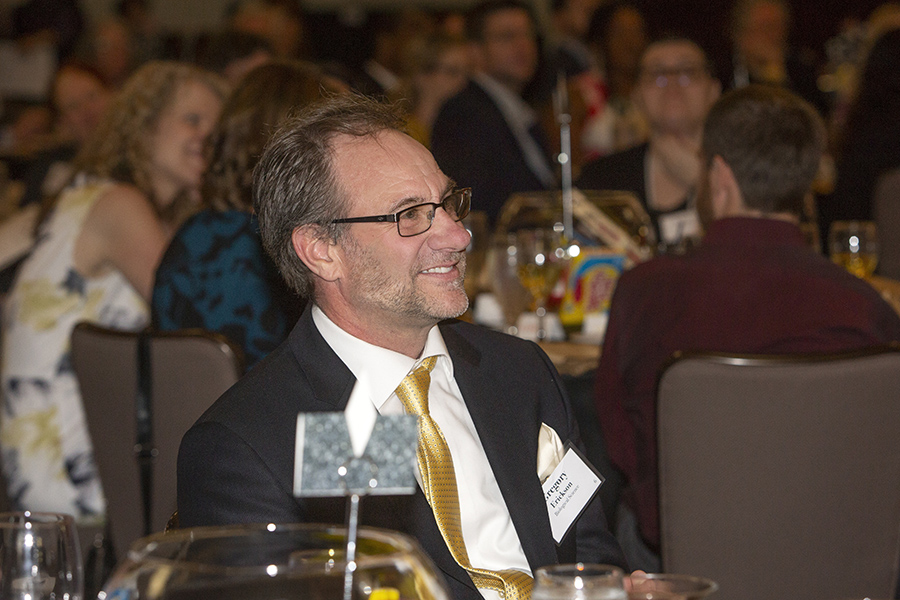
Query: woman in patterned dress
{"x": 98, "y": 245}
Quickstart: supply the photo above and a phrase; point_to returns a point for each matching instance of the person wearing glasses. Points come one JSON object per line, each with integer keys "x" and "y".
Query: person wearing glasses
{"x": 675, "y": 90}
{"x": 361, "y": 221}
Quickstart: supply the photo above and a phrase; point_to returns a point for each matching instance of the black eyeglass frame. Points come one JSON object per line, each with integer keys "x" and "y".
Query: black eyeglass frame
{"x": 462, "y": 210}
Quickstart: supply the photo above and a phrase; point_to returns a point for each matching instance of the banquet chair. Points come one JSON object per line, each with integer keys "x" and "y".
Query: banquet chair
{"x": 141, "y": 393}
{"x": 779, "y": 476}
{"x": 886, "y": 208}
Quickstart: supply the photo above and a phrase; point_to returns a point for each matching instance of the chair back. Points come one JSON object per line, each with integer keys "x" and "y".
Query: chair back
{"x": 779, "y": 477}
{"x": 188, "y": 371}
{"x": 886, "y": 209}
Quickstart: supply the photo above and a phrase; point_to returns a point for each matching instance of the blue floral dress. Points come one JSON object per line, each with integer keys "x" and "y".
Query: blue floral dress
{"x": 216, "y": 276}
{"x": 47, "y": 454}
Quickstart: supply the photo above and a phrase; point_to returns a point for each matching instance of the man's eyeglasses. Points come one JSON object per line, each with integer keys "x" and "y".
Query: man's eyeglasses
{"x": 418, "y": 219}
{"x": 683, "y": 76}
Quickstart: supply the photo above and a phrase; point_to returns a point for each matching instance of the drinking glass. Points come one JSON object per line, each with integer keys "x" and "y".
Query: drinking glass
{"x": 270, "y": 562}
{"x": 476, "y": 224}
{"x": 669, "y": 586}
{"x": 40, "y": 557}
{"x": 503, "y": 266}
{"x": 543, "y": 255}
{"x": 854, "y": 246}
{"x": 579, "y": 582}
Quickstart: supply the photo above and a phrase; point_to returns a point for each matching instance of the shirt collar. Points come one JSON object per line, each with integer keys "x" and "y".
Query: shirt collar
{"x": 379, "y": 369}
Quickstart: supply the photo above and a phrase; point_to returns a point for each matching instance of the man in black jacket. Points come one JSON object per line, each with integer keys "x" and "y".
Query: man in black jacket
{"x": 361, "y": 219}
{"x": 487, "y": 136}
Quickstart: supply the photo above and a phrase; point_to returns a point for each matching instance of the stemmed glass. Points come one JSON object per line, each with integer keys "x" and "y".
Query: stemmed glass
{"x": 271, "y": 562}
{"x": 40, "y": 557}
{"x": 579, "y": 582}
{"x": 504, "y": 272}
{"x": 854, "y": 246}
{"x": 542, "y": 256}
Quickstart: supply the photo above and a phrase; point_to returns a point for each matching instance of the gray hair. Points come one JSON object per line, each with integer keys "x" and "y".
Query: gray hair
{"x": 294, "y": 183}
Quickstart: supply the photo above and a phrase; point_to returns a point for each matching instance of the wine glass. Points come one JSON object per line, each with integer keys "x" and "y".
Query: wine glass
{"x": 854, "y": 246}
{"x": 579, "y": 582}
{"x": 269, "y": 562}
{"x": 669, "y": 586}
{"x": 543, "y": 254}
{"x": 40, "y": 557}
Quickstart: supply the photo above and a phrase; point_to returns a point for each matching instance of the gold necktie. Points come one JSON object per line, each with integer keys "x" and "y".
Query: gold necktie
{"x": 439, "y": 485}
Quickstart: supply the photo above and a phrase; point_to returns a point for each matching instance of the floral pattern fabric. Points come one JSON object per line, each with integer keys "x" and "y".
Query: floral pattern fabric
{"x": 46, "y": 449}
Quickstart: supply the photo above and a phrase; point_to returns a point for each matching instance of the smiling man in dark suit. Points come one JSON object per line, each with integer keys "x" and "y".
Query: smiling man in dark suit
{"x": 360, "y": 218}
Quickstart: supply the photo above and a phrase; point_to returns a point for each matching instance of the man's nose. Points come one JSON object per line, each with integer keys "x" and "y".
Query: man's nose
{"x": 448, "y": 232}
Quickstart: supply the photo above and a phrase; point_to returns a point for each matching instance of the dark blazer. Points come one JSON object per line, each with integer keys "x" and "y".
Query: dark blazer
{"x": 236, "y": 463}
{"x": 623, "y": 170}
{"x": 474, "y": 146}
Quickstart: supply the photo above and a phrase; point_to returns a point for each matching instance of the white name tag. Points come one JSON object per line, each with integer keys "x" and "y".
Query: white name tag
{"x": 674, "y": 227}
{"x": 570, "y": 487}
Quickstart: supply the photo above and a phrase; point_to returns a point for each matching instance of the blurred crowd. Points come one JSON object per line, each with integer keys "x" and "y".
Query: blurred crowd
{"x": 135, "y": 147}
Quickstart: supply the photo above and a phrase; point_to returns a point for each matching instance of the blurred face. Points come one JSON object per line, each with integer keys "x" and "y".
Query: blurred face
{"x": 509, "y": 52}
{"x": 81, "y": 101}
{"x": 449, "y": 76}
{"x": 575, "y": 17}
{"x": 276, "y": 25}
{"x": 178, "y": 151}
{"x": 627, "y": 39}
{"x": 390, "y": 282}
{"x": 763, "y": 37}
{"x": 113, "y": 51}
{"x": 675, "y": 89}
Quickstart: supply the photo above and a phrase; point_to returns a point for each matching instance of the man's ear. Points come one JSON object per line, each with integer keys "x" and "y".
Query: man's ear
{"x": 317, "y": 251}
{"x": 725, "y": 195}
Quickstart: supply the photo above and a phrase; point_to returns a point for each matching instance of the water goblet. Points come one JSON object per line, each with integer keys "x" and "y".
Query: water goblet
{"x": 269, "y": 561}
{"x": 854, "y": 246}
{"x": 40, "y": 557}
{"x": 579, "y": 581}
{"x": 503, "y": 267}
{"x": 543, "y": 255}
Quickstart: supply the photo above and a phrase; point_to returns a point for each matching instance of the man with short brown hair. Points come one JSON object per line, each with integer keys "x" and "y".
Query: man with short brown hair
{"x": 753, "y": 285}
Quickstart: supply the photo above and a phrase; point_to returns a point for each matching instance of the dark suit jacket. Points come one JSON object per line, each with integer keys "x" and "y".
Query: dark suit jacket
{"x": 474, "y": 146}
{"x": 622, "y": 170}
{"x": 236, "y": 463}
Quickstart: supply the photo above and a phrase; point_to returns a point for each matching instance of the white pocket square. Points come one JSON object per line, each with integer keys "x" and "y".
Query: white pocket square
{"x": 550, "y": 451}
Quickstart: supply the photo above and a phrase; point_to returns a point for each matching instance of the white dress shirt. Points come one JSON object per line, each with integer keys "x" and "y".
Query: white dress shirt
{"x": 488, "y": 532}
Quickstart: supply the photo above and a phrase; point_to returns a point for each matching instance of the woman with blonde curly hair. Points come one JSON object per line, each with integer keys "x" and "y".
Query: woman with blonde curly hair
{"x": 215, "y": 274}
{"x": 98, "y": 245}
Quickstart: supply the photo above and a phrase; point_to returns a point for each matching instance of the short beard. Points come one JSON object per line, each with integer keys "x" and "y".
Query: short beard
{"x": 403, "y": 298}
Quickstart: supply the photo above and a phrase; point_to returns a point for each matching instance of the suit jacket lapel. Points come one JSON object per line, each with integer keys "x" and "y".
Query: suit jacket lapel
{"x": 508, "y": 434}
{"x": 329, "y": 379}
{"x": 331, "y": 383}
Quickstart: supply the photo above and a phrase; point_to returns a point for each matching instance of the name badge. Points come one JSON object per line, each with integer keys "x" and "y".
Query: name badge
{"x": 674, "y": 227}
{"x": 573, "y": 483}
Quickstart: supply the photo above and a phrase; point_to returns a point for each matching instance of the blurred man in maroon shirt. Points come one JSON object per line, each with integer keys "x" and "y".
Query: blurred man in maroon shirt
{"x": 751, "y": 286}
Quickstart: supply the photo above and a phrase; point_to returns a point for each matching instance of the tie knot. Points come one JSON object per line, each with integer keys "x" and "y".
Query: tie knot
{"x": 427, "y": 364}
{"x": 413, "y": 390}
